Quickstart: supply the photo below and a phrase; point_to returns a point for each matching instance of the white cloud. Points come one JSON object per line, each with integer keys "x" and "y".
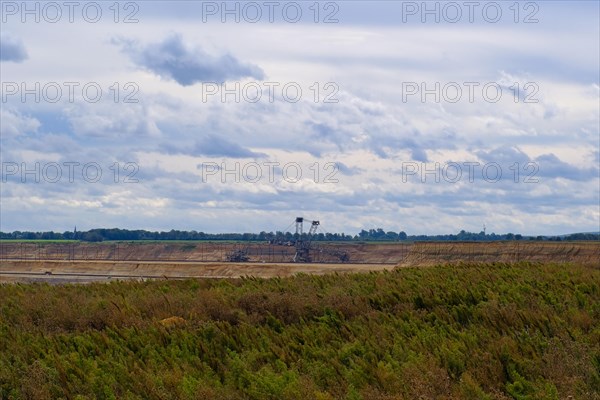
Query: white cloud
{"x": 14, "y": 123}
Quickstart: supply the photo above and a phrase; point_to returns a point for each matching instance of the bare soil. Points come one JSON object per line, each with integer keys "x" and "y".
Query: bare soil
{"x": 92, "y": 262}
{"x": 583, "y": 253}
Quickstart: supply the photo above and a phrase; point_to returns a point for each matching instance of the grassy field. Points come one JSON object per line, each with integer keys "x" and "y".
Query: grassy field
{"x": 484, "y": 331}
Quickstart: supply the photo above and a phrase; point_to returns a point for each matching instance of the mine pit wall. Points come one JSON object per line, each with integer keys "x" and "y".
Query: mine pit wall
{"x": 429, "y": 253}
{"x": 200, "y": 252}
{"x": 400, "y": 253}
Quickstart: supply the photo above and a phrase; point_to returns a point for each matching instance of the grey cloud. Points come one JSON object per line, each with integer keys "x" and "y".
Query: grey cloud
{"x": 212, "y": 146}
{"x": 155, "y": 175}
{"x": 505, "y": 155}
{"x": 322, "y": 134}
{"x": 419, "y": 154}
{"x": 12, "y": 49}
{"x": 385, "y": 147}
{"x": 383, "y": 142}
{"x": 552, "y": 167}
{"x": 322, "y": 131}
{"x": 503, "y": 192}
{"x": 172, "y": 59}
{"x": 349, "y": 171}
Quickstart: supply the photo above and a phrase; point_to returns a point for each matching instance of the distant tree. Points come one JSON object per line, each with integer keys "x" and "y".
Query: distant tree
{"x": 91, "y": 237}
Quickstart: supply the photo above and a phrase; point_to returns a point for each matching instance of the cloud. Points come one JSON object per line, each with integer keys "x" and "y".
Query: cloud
{"x": 15, "y": 123}
{"x": 349, "y": 171}
{"x": 504, "y": 155}
{"x": 369, "y": 133}
{"x": 107, "y": 119}
{"x": 172, "y": 59}
{"x": 12, "y": 49}
{"x": 213, "y": 146}
{"x": 551, "y": 166}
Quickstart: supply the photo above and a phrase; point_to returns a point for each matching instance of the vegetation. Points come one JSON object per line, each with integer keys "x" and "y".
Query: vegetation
{"x": 372, "y": 235}
{"x": 486, "y": 331}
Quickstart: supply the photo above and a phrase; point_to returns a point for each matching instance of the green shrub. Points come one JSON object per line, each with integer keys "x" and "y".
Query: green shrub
{"x": 480, "y": 331}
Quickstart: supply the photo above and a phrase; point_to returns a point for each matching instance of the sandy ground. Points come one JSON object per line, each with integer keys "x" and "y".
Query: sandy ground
{"x": 86, "y": 271}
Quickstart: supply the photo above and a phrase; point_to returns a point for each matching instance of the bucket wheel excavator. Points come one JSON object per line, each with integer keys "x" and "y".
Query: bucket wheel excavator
{"x": 303, "y": 245}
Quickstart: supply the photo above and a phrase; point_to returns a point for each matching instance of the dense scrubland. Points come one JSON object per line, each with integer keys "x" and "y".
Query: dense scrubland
{"x": 479, "y": 331}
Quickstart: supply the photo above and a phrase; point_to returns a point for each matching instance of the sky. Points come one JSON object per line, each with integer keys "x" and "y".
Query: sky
{"x": 423, "y": 117}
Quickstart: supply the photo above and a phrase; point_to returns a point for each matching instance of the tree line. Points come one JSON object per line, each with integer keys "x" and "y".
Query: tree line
{"x": 371, "y": 235}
